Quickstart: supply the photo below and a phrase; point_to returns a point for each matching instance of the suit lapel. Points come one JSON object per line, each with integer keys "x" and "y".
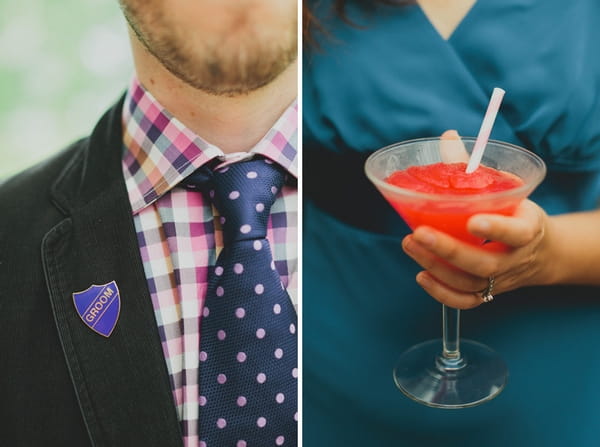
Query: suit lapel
{"x": 121, "y": 381}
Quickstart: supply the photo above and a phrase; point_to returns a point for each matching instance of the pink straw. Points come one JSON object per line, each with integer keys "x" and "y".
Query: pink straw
{"x": 485, "y": 130}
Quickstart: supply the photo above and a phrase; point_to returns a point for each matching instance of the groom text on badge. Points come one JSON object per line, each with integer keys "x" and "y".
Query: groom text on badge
{"x": 98, "y": 307}
{"x": 99, "y": 304}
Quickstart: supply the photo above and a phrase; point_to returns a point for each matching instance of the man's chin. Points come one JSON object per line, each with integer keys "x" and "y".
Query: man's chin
{"x": 220, "y": 82}
{"x": 234, "y": 89}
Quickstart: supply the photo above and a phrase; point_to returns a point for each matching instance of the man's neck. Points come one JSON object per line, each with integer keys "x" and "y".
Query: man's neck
{"x": 233, "y": 124}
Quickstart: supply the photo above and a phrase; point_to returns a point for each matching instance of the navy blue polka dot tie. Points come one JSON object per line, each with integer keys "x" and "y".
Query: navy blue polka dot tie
{"x": 248, "y": 352}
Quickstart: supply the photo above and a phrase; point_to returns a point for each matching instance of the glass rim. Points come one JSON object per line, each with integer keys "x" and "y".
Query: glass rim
{"x": 522, "y": 190}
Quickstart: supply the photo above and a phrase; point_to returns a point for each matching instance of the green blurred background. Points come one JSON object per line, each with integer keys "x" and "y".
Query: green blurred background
{"x": 62, "y": 63}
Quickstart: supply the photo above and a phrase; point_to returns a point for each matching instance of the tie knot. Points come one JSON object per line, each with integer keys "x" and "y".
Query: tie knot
{"x": 243, "y": 193}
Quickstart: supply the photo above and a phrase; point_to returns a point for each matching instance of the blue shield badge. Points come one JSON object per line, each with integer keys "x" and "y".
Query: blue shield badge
{"x": 99, "y": 307}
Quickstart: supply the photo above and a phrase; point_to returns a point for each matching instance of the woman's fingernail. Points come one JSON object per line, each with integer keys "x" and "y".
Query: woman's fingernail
{"x": 425, "y": 238}
{"x": 481, "y": 224}
{"x": 423, "y": 280}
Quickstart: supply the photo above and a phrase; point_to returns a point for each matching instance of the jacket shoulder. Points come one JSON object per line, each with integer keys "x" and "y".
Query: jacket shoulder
{"x": 25, "y": 198}
{"x": 34, "y": 183}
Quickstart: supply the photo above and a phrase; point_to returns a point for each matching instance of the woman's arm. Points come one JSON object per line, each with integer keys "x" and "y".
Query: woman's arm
{"x": 576, "y": 244}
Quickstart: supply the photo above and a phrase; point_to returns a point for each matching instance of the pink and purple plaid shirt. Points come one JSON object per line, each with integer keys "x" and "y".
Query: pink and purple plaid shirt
{"x": 179, "y": 233}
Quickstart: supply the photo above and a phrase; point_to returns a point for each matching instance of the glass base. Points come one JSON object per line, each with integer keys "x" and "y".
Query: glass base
{"x": 426, "y": 377}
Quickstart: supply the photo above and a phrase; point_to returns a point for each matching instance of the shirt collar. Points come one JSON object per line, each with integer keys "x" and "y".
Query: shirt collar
{"x": 160, "y": 151}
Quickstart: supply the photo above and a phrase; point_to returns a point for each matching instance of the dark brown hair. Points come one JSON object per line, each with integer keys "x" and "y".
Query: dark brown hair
{"x": 310, "y": 24}
{"x": 340, "y": 5}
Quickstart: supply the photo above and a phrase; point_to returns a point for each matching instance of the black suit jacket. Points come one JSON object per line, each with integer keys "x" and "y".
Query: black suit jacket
{"x": 67, "y": 224}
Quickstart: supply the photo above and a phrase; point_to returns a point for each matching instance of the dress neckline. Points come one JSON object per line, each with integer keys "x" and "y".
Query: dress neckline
{"x": 463, "y": 23}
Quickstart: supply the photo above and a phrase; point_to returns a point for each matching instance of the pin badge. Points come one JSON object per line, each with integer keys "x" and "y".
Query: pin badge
{"x": 99, "y": 307}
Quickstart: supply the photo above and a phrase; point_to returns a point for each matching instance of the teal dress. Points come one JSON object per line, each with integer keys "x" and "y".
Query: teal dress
{"x": 392, "y": 78}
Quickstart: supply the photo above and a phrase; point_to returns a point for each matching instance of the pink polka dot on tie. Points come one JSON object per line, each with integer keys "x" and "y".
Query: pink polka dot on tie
{"x": 261, "y": 422}
{"x": 257, "y": 245}
{"x": 221, "y": 423}
{"x": 274, "y": 189}
{"x": 205, "y": 312}
{"x": 296, "y": 416}
{"x": 268, "y": 161}
{"x": 221, "y": 378}
{"x": 241, "y": 357}
{"x": 222, "y": 220}
{"x": 218, "y": 270}
{"x": 292, "y": 328}
{"x": 221, "y": 335}
{"x": 202, "y": 444}
{"x": 252, "y": 174}
{"x": 238, "y": 268}
{"x": 260, "y": 207}
{"x": 259, "y": 289}
{"x": 260, "y": 333}
{"x": 211, "y": 193}
{"x": 276, "y": 309}
{"x": 240, "y": 312}
{"x": 220, "y": 291}
{"x": 272, "y": 265}
{"x": 202, "y": 401}
{"x": 203, "y": 356}
{"x": 245, "y": 229}
{"x": 234, "y": 195}
{"x": 261, "y": 378}
{"x": 280, "y": 440}
{"x": 241, "y": 443}
{"x": 223, "y": 170}
{"x": 279, "y": 398}
{"x": 278, "y": 353}
{"x": 242, "y": 401}
{"x": 295, "y": 373}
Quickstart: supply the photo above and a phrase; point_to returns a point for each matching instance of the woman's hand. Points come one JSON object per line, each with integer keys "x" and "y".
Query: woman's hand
{"x": 456, "y": 273}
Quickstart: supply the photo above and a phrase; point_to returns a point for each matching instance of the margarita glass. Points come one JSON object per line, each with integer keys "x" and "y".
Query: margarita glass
{"x": 452, "y": 373}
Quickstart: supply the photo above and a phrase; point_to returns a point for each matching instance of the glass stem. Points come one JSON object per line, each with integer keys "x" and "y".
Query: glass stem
{"x": 451, "y": 358}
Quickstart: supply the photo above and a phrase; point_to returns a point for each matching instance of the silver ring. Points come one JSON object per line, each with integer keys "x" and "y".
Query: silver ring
{"x": 486, "y": 294}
